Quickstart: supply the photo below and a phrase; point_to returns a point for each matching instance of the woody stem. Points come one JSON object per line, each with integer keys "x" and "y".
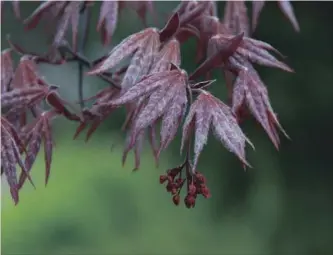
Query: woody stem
{"x": 65, "y": 48}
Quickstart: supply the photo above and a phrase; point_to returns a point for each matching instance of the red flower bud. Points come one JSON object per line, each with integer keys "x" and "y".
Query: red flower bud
{"x": 176, "y": 199}
{"x": 192, "y": 189}
{"x": 200, "y": 177}
{"x": 189, "y": 201}
{"x": 206, "y": 192}
{"x": 163, "y": 178}
{"x": 169, "y": 186}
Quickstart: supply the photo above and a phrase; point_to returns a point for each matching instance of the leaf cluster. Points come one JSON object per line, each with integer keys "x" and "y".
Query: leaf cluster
{"x": 159, "y": 96}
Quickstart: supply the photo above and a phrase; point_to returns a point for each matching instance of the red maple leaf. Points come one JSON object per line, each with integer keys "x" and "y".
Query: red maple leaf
{"x": 236, "y": 18}
{"x": 285, "y": 7}
{"x": 207, "y": 111}
{"x": 36, "y": 132}
{"x": 108, "y": 18}
{"x": 143, "y": 44}
{"x": 11, "y": 149}
{"x": 250, "y": 90}
{"x": 62, "y": 15}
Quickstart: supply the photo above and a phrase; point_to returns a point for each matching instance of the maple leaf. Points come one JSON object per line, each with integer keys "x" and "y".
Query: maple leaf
{"x": 235, "y": 17}
{"x": 43, "y": 9}
{"x": 137, "y": 146}
{"x": 38, "y": 131}
{"x": 7, "y": 69}
{"x": 171, "y": 28}
{"x": 207, "y": 111}
{"x": 284, "y": 5}
{"x": 61, "y": 106}
{"x": 170, "y": 94}
{"x": 16, "y": 8}
{"x": 63, "y": 14}
{"x": 217, "y": 56}
{"x": 257, "y": 7}
{"x": 191, "y": 10}
{"x": 108, "y": 19}
{"x": 26, "y": 74}
{"x": 143, "y": 44}
{"x": 202, "y": 26}
{"x": 71, "y": 14}
{"x": 168, "y": 55}
{"x": 250, "y": 49}
{"x": 28, "y": 89}
{"x": 141, "y": 62}
{"x": 141, "y": 8}
{"x": 207, "y": 26}
{"x": 250, "y": 90}
{"x": 11, "y": 148}
{"x": 133, "y": 109}
{"x": 20, "y": 99}
{"x": 157, "y": 94}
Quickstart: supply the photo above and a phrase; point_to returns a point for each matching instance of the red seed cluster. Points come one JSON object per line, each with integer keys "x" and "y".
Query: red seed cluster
{"x": 196, "y": 185}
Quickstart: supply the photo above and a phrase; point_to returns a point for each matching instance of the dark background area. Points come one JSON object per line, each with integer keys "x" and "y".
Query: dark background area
{"x": 283, "y": 205}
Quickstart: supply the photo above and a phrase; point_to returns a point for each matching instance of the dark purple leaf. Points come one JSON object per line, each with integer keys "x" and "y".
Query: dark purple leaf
{"x": 10, "y": 157}
{"x": 170, "y": 53}
{"x": 40, "y": 130}
{"x": 257, "y": 7}
{"x": 7, "y": 69}
{"x": 288, "y": 11}
{"x": 235, "y": 17}
{"x": 248, "y": 49}
{"x": 170, "y": 28}
{"x": 124, "y": 49}
{"x": 32, "y": 21}
{"x": 249, "y": 89}
{"x": 108, "y": 18}
{"x": 218, "y": 57}
{"x": 209, "y": 111}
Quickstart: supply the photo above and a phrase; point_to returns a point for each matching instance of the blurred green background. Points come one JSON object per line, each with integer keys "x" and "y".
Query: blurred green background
{"x": 284, "y": 205}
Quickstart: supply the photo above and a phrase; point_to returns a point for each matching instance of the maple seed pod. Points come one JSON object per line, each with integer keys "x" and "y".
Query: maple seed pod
{"x": 192, "y": 189}
{"x": 163, "y": 178}
{"x": 170, "y": 178}
{"x": 205, "y": 192}
{"x": 179, "y": 181}
{"x": 200, "y": 177}
{"x": 173, "y": 172}
{"x": 169, "y": 187}
{"x": 174, "y": 191}
{"x": 176, "y": 199}
{"x": 189, "y": 201}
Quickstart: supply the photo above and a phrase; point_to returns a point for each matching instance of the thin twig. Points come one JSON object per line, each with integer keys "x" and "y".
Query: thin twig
{"x": 65, "y": 48}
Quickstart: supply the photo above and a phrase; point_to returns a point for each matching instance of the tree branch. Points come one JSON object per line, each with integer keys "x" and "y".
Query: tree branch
{"x": 76, "y": 56}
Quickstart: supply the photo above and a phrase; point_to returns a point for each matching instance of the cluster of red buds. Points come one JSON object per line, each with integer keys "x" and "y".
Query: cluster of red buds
{"x": 195, "y": 182}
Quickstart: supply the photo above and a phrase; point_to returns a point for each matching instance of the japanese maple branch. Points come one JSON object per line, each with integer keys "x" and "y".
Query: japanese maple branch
{"x": 76, "y": 56}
